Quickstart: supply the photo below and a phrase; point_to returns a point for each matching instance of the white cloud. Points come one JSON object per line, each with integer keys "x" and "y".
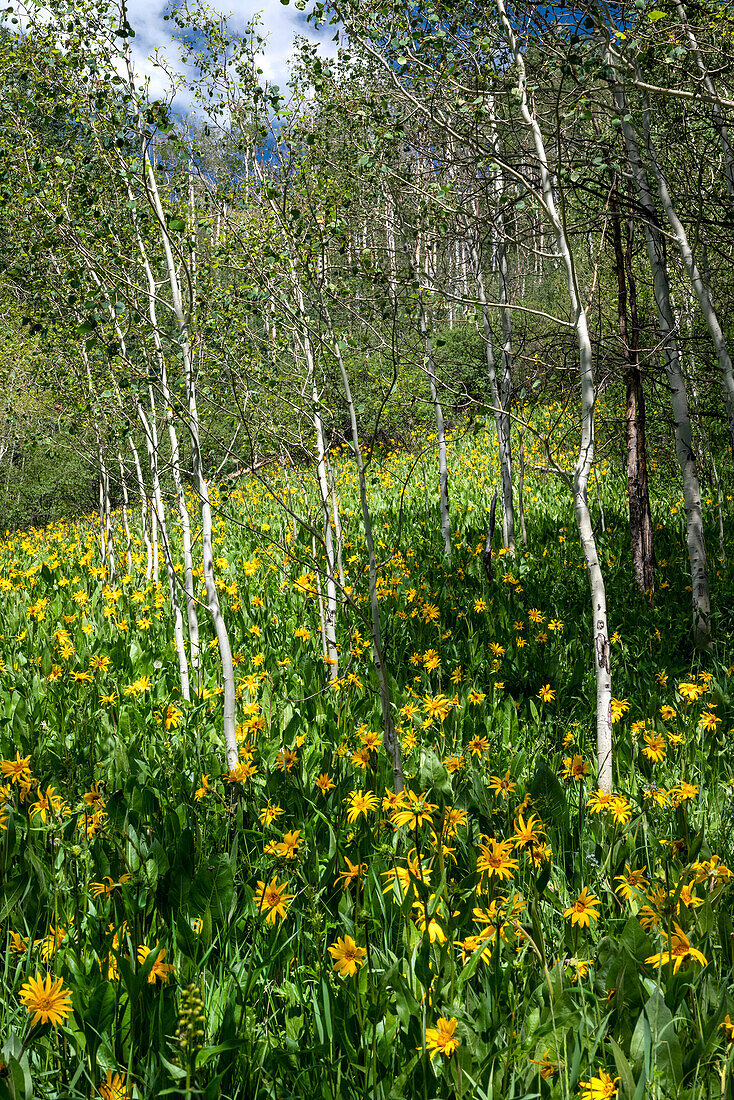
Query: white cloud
{"x": 278, "y": 24}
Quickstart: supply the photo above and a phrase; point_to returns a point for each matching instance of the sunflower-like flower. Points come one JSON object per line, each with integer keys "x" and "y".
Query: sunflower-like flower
{"x": 654, "y": 747}
{"x": 575, "y": 767}
{"x": 288, "y": 846}
{"x": 161, "y": 970}
{"x": 360, "y": 804}
{"x": 415, "y": 811}
{"x": 47, "y": 999}
{"x": 478, "y": 745}
{"x": 631, "y": 882}
{"x": 495, "y": 859}
{"x": 583, "y": 911}
{"x": 272, "y": 899}
{"x": 113, "y": 1087}
{"x": 601, "y": 1087}
{"x": 600, "y": 801}
{"x": 18, "y": 770}
{"x": 426, "y": 919}
{"x": 325, "y": 783}
{"x": 527, "y": 833}
{"x": 269, "y": 814}
{"x": 502, "y": 786}
{"x": 441, "y": 1039}
{"x": 680, "y": 952}
{"x": 108, "y": 885}
{"x": 348, "y": 956}
{"x": 48, "y": 803}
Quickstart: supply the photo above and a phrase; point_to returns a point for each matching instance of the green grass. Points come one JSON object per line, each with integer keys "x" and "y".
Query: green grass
{"x": 275, "y": 1018}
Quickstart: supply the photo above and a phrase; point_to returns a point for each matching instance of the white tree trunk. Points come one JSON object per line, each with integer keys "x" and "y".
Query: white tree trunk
{"x": 191, "y": 601}
{"x": 109, "y": 537}
{"x": 145, "y": 511}
{"x": 151, "y": 441}
{"x": 698, "y": 280}
{"x": 505, "y": 385}
{"x": 320, "y": 600}
{"x": 150, "y": 430}
{"x": 707, "y": 443}
{"x": 583, "y": 465}
{"x": 220, "y": 628}
{"x": 655, "y": 244}
{"x": 102, "y": 530}
{"x": 125, "y": 523}
{"x": 103, "y": 511}
{"x": 521, "y": 488}
{"x": 154, "y": 542}
{"x": 324, "y": 488}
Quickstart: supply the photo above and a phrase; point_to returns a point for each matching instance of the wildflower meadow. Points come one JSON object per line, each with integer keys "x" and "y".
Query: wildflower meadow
{"x": 366, "y": 550}
{"x": 501, "y": 928}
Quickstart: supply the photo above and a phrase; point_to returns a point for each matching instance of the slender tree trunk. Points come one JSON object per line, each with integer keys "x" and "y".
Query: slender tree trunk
{"x": 655, "y": 243}
{"x": 109, "y": 536}
{"x": 324, "y": 488}
{"x": 212, "y": 596}
{"x": 714, "y": 471}
{"x": 521, "y": 487}
{"x": 330, "y": 610}
{"x": 150, "y": 431}
{"x": 151, "y": 440}
{"x": 103, "y": 507}
{"x": 125, "y": 523}
{"x": 320, "y": 598}
{"x": 145, "y": 512}
{"x": 585, "y": 458}
{"x": 392, "y": 745}
{"x": 697, "y": 278}
{"x": 154, "y": 542}
{"x": 102, "y": 528}
{"x": 505, "y": 316}
{"x": 501, "y": 414}
{"x": 637, "y": 485}
{"x": 225, "y": 649}
{"x": 191, "y": 601}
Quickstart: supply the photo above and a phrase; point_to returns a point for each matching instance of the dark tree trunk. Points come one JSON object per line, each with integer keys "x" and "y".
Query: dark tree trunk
{"x": 643, "y": 553}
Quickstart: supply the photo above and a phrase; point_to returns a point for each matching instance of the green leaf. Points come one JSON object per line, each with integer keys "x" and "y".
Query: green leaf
{"x": 433, "y": 775}
{"x": 654, "y": 1041}
{"x": 623, "y": 1069}
{"x": 635, "y": 941}
{"x": 549, "y": 796}
{"x": 96, "y": 1015}
{"x": 470, "y": 968}
{"x": 213, "y": 889}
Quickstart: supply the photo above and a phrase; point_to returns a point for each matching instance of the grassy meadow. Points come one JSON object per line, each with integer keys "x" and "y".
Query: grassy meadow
{"x": 294, "y": 928}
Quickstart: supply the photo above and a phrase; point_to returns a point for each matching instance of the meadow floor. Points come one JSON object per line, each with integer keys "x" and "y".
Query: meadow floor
{"x": 293, "y": 929}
